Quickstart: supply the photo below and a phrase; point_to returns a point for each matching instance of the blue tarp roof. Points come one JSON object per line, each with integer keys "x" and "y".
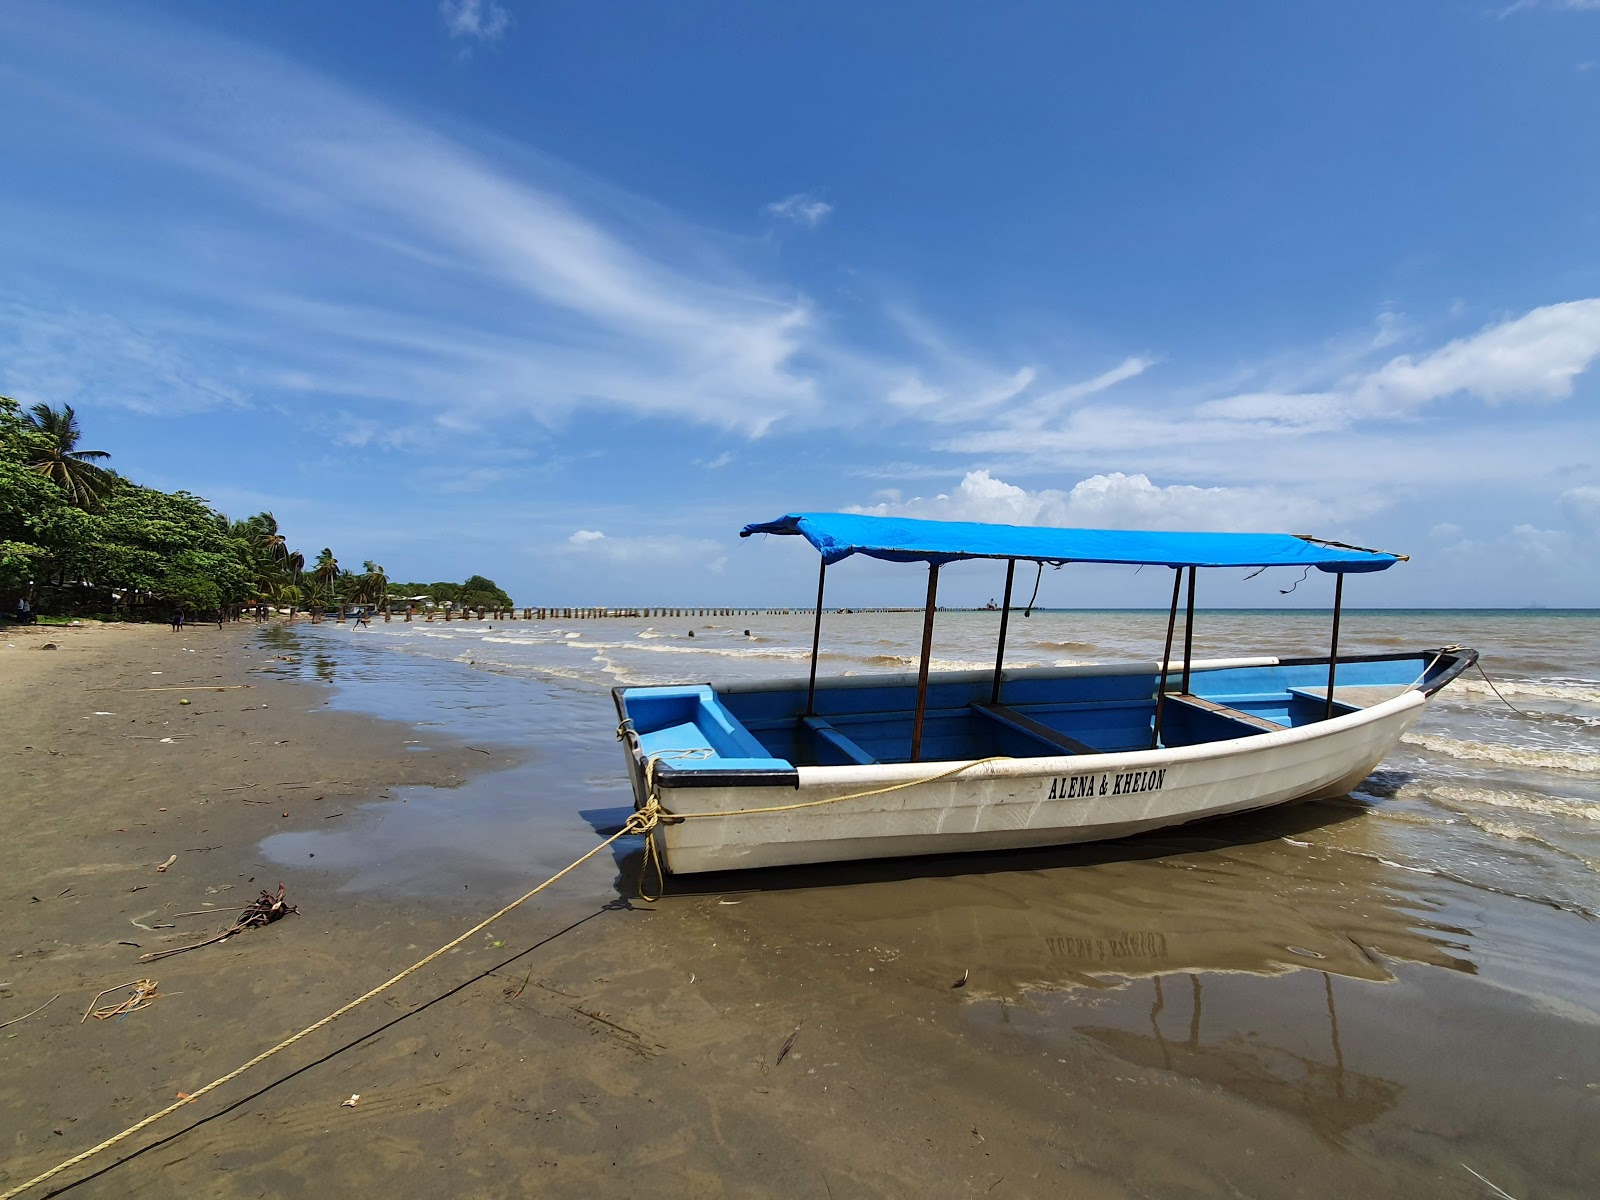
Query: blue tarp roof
{"x": 902, "y": 539}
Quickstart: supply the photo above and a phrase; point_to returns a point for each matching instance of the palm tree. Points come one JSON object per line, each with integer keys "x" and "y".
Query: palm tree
{"x": 56, "y": 456}
{"x": 272, "y": 544}
{"x": 326, "y": 572}
{"x": 374, "y": 583}
{"x": 324, "y": 577}
{"x": 285, "y": 579}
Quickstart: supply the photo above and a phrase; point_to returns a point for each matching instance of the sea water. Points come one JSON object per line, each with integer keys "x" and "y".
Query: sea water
{"x": 1498, "y": 783}
{"x": 1411, "y": 971}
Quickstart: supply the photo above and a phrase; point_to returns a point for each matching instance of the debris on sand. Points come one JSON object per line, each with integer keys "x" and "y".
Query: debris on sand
{"x": 788, "y": 1045}
{"x": 263, "y": 910}
{"x": 143, "y": 995}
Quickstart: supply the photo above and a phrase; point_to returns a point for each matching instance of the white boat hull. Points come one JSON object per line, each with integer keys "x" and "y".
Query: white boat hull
{"x": 1024, "y": 802}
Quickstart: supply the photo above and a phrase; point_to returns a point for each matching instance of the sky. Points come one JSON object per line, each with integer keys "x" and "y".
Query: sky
{"x": 565, "y": 294}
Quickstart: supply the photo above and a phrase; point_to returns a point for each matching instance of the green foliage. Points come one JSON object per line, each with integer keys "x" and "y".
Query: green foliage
{"x": 476, "y": 592}
{"x": 84, "y": 539}
{"x": 193, "y": 592}
{"x": 53, "y": 453}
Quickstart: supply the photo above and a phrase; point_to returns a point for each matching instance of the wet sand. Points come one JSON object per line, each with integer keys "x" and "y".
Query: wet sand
{"x": 1263, "y": 1006}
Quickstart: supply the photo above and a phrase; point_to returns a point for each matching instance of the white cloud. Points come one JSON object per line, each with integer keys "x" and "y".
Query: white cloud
{"x": 801, "y": 209}
{"x": 1535, "y": 356}
{"x": 1119, "y": 501}
{"x": 70, "y": 355}
{"x": 1582, "y": 506}
{"x": 1546, "y": 547}
{"x": 583, "y": 537}
{"x": 1569, "y": 5}
{"x": 400, "y": 264}
{"x": 484, "y": 20}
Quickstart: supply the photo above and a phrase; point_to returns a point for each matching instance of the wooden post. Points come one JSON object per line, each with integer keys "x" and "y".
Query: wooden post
{"x": 1188, "y": 633}
{"x": 1333, "y": 650}
{"x": 1005, "y": 619}
{"x": 922, "y": 670}
{"x": 816, "y": 641}
{"x": 1166, "y": 659}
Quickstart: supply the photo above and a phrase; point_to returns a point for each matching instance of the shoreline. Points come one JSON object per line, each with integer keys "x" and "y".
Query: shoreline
{"x": 1139, "y": 1017}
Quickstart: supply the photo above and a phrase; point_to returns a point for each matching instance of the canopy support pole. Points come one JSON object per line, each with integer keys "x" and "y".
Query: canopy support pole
{"x": 1333, "y": 650}
{"x": 1166, "y": 659}
{"x": 1005, "y": 619}
{"x": 816, "y": 642}
{"x": 922, "y": 670}
{"x": 1188, "y": 634}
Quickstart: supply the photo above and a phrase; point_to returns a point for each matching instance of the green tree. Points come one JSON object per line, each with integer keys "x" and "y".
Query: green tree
{"x": 56, "y": 456}
{"x": 29, "y": 503}
{"x": 374, "y": 584}
{"x": 478, "y": 592}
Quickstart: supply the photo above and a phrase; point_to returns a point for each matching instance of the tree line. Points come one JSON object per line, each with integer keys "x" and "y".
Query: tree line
{"x": 78, "y": 537}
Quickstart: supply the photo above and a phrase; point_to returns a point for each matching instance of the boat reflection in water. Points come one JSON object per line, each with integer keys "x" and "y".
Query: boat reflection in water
{"x": 1214, "y": 952}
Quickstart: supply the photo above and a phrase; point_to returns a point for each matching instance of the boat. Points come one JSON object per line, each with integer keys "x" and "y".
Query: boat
{"x": 766, "y": 773}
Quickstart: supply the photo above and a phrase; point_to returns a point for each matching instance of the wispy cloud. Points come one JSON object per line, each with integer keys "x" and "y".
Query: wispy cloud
{"x": 1569, "y": 5}
{"x": 801, "y": 209}
{"x": 479, "y": 20}
{"x": 1536, "y": 357}
{"x": 487, "y": 287}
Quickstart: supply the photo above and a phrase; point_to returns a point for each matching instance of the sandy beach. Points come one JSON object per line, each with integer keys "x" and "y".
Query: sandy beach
{"x": 1213, "y": 1012}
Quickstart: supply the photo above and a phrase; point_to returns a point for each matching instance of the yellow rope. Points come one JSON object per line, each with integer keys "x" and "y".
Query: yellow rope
{"x": 639, "y": 822}
{"x": 642, "y": 822}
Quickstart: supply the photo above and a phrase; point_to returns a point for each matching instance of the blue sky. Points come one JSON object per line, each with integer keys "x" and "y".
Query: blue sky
{"x": 565, "y": 294}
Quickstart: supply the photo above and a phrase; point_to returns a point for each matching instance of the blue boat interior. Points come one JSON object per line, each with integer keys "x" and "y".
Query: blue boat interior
{"x": 698, "y": 727}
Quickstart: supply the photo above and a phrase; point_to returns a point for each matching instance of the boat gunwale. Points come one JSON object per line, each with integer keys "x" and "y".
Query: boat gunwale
{"x": 665, "y": 775}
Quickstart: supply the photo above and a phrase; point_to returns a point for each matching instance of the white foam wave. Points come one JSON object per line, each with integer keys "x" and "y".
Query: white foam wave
{"x": 1511, "y": 756}
{"x": 698, "y": 651}
{"x": 1583, "y": 692}
{"x": 1529, "y": 802}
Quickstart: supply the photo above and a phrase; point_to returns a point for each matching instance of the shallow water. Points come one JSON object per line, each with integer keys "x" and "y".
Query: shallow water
{"x": 1413, "y": 969}
{"x": 1507, "y": 797}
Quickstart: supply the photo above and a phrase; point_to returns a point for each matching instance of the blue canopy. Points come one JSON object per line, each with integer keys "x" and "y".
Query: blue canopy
{"x": 903, "y": 539}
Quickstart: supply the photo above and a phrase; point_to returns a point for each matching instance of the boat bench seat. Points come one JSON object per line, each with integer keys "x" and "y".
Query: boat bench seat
{"x": 1238, "y": 716}
{"x": 1350, "y": 698}
{"x": 827, "y": 733}
{"x": 1037, "y": 730}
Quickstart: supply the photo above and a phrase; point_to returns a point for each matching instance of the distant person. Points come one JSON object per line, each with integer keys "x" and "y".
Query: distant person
{"x": 219, "y": 618}
{"x": 177, "y": 620}
{"x": 24, "y": 611}
{"x": 363, "y": 619}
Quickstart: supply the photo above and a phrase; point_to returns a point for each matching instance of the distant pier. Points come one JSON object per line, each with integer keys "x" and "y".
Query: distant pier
{"x": 601, "y": 614}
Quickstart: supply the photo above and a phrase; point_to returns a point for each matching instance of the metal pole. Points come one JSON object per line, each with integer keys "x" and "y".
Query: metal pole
{"x": 1188, "y": 634}
{"x": 1166, "y": 659}
{"x": 922, "y": 670}
{"x": 1005, "y": 619}
{"x": 816, "y": 642}
{"x": 1333, "y": 651}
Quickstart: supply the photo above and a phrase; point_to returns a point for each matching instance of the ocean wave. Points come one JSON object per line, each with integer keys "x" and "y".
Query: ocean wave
{"x": 1510, "y": 756}
{"x": 1576, "y": 692}
{"x": 1465, "y": 798}
{"x": 889, "y": 660}
{"x": 741, "y": 651}
{"x": 1042, "y": 644}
